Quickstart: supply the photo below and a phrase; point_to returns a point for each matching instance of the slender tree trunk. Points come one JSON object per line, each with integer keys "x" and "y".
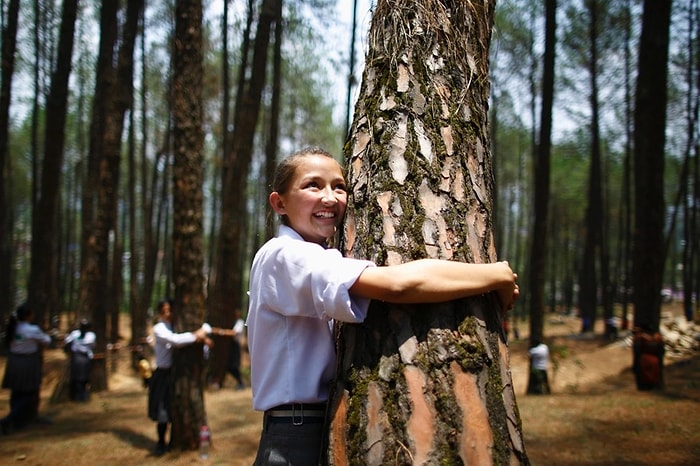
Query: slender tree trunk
{"x": 424, "y": 384}
{"x": 93, "y": 246}
{"x": 590, "y": 273}
{"x": 113, "y": 97}
{"x": 649, "y": 137}
{"x": 7, "y": 58}
{"x": 627, "y": 168}
{"x": 43, "y": 281}
{"x": 188, "y": 234}
{"x": 134, "y": 245}
{"x": 542, "y": 180}
{"x": 139, "y": 307}
{"x": 227, "y": 292}
{"x": 649, "y": 142}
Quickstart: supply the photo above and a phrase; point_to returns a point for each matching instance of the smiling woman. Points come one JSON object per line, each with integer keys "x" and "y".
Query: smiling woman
{"x": 299, "y": 287}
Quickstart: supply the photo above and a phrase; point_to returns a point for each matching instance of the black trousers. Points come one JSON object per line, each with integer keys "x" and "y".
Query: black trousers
{"x": 286, "y": 444}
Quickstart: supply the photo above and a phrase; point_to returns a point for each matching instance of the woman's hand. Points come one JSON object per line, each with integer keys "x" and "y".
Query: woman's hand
{"x": 509, "y": 292}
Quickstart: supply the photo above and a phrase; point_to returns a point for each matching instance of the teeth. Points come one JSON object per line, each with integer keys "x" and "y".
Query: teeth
{"x": 325, "y": 214}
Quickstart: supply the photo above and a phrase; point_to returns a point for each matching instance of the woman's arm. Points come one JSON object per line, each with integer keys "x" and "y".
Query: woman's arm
{"x": 224, "y": 332}
{"x": 433, "y": 280}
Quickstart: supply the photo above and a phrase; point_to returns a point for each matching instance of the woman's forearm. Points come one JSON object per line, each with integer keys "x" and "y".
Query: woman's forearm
{"x": 431, "y": 280}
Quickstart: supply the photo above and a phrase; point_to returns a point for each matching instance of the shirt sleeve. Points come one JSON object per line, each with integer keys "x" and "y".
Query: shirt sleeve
{"x": 305, "y": 279}
{"x": 239, "y": 326}
{"x": 35, "y": 333}
{"x": 69, "y": 338}
{"x": 162, "y": 332}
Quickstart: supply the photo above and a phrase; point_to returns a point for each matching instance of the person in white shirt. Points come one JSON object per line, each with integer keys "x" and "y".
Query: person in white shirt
{"x": 81, "y": 343}
{"x": 23, "y": 375}
{"x": 298, "y": 286}
{"x": 233, "y": 364}
{"x": 539, "y": 363}
{"x": 160, "y": 383}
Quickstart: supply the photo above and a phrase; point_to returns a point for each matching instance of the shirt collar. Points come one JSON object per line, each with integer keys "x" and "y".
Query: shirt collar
{"x": 288, "y": 232}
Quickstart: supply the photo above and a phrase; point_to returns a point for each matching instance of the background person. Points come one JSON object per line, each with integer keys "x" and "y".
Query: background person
{"x": 161, "y": 380}
{"x": 233, "y": 364}
{"x": 539, "y": 363}
{"x": 81, "y": 343}
{"x": 23, "y": 372}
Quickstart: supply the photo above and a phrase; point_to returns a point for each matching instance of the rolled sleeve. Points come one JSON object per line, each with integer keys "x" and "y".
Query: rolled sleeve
{"x": 308, "y": 280}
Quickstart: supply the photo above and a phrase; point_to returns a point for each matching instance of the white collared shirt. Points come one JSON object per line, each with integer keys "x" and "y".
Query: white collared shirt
{"x": 27, "y": 339}
{"x": 540, "y": 356}
{"x": 297, "y": 288}
{"x": 166, "y": 340}
{"x": 81, "y": 345}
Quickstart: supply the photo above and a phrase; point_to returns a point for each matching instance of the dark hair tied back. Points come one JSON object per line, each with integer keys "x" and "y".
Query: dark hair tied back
{"x": 21, "y": 314}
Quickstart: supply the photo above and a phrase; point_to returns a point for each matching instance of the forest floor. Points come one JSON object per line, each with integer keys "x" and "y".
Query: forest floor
{"x": 595, "y": 415}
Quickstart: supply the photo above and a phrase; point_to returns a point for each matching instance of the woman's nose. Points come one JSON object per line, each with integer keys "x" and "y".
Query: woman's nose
{"x": 329, "y": 197}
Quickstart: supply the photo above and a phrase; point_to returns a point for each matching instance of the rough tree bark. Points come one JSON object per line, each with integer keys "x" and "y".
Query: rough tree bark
{"x": 188, "y": 229}
{"x": 425, "y": 384}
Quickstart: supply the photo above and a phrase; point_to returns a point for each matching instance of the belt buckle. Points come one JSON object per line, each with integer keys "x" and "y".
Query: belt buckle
{"x": 296, "y": 422}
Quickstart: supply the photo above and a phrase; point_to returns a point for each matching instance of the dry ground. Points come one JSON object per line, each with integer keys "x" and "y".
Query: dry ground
{"x": 594, "y": 417}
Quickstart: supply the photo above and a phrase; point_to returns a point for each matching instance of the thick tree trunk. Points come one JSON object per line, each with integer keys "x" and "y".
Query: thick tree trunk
{"x": 424, "y": 384}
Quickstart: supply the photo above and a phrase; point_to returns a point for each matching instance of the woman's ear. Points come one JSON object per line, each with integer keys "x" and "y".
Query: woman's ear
{"x": 277, "y": 203}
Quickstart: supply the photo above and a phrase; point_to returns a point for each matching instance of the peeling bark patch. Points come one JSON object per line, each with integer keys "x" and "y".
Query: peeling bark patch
{"x": 477, "y": 222}
{"x": 421, "y": 425}
{"x": 402, "y": 79}
{"x": 339, "y": 425}
{"x": 476, "y": 442}
{"x": 397, "y": 149}
{"x": 434, "y": 227}
{"x": 383, "y": 199}
{"x": 350, "y": 231}
{"x": 375, "y": 420}
{"x": 446, "y": 175}
{"x": 476, "y": 172}
{"x": 387, "y": 103}
{"x": 426, "y": 147}
{"x": 458, "y": 187}
{"x": 447, "y": 139}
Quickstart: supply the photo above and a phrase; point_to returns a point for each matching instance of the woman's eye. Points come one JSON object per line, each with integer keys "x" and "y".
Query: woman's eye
{"x": 341, "y": 187}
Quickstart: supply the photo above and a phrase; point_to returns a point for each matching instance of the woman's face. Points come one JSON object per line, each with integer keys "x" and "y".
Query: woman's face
{"x": 166, "y": 312}
{"x": 316, "y": 199}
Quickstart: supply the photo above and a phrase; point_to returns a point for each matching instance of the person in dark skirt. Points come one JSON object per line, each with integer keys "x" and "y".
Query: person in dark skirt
{"x": 23, "y": 375}
{"x": 233, "y": 364}
{"x": 161, "y": 380}
{"x": 539, "y": 363}
{"x": 81, "y": 343}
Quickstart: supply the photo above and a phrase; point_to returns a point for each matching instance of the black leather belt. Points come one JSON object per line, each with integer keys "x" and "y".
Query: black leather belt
{"x": 297, "y": 413}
